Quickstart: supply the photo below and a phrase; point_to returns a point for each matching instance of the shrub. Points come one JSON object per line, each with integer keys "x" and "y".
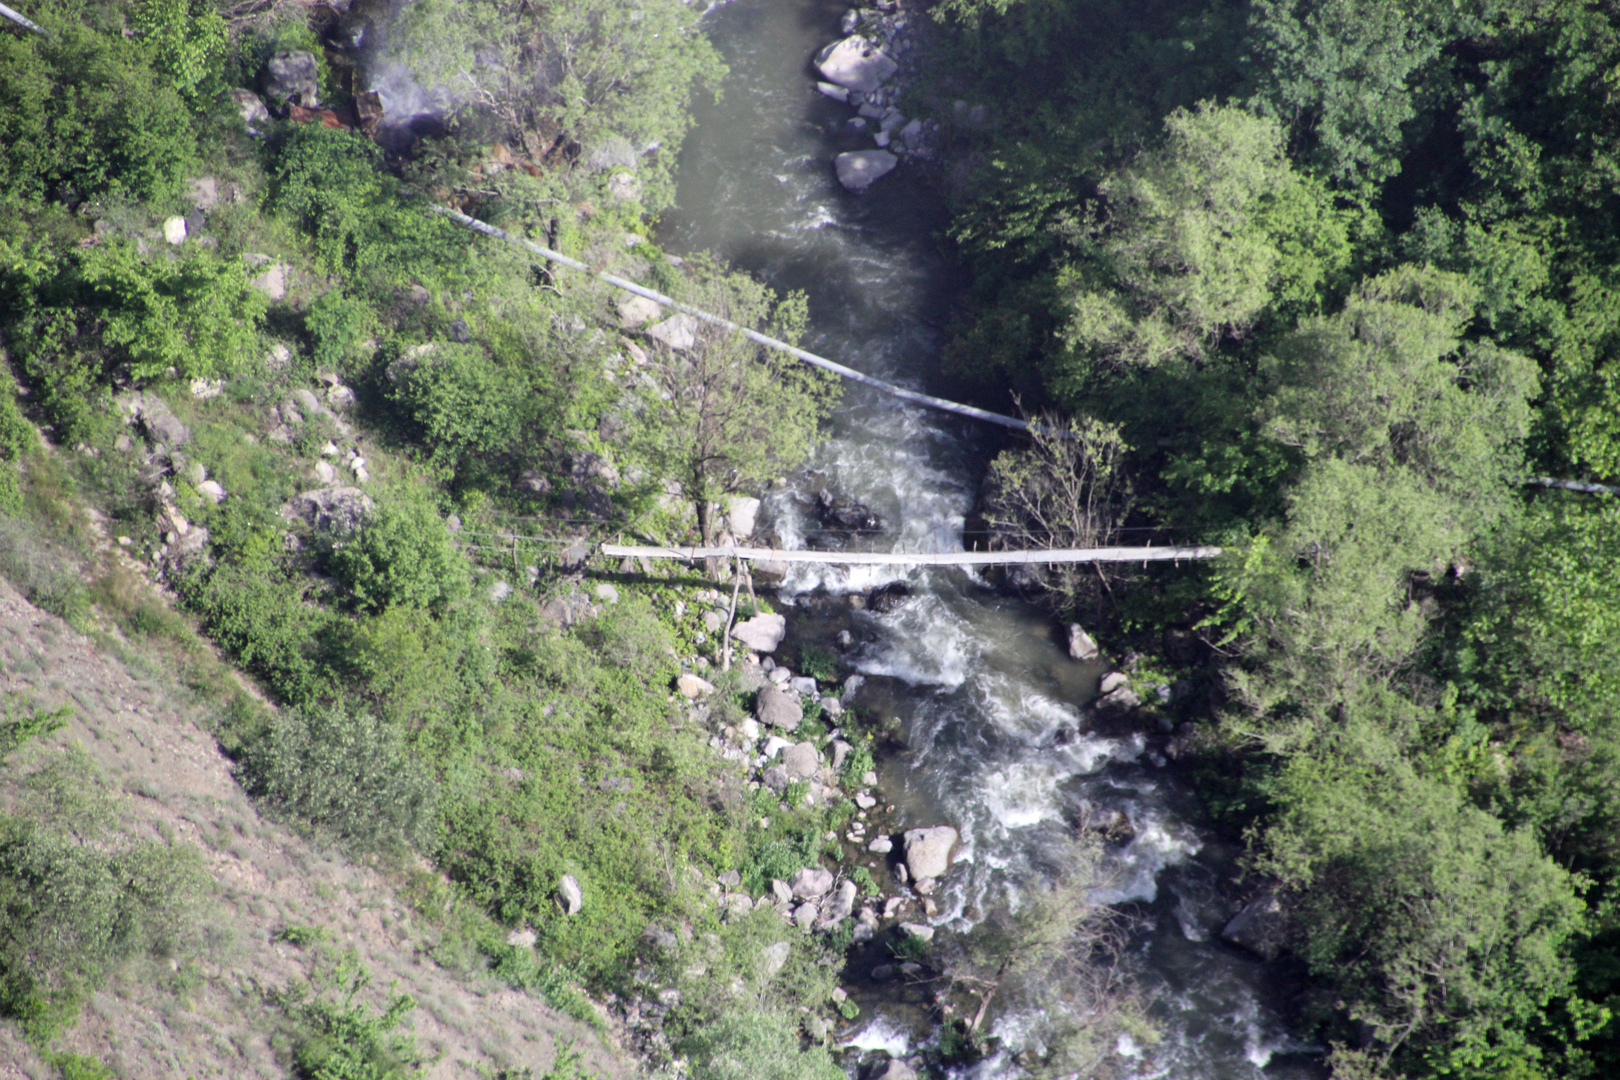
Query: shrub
{"x": 337, "y": 323}
{"x": 347, "y": 775}
{"x": 461, "y": 402}
{"x": 78, "y": 897}
{"x": 258, "y": 615}
{"x": 85, "y": 315}
{"x": 403, "y": 557}
{"x": 187, "y": 42}
{"x": 331, "y": 184}
{"x": 339, "y": 1039}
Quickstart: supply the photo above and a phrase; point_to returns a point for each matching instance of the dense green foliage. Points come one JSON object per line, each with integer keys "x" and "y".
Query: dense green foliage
{"x": 1340, "y": 276}
{"x": 443, "y": 693}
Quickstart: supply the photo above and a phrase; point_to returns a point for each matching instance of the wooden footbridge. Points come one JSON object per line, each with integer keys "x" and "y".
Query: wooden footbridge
{"x": 1038, "y": 557}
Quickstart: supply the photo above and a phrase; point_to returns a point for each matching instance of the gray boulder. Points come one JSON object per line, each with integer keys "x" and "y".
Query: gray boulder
{"x": 773, "y": 708}
{"x": 762, "y": 633}
{"x": 637, "y": 311}
{"x": 801, "y": 761}
{"x": 860, "y": 169}
{"x": 250, "y": 106}
{"x": 893, "y": 1069}
{"x": 843, "y": 902}
{"x": 335, "y": 510}
{"x": 811, "y": 883}
{"x": 928, "y": 851}
{"x": 775, "y": 779}
{"x": 291, "y": 78}
{"x": 742, "y": 512}
{"x": 678, "y": 331}
{"x": 1261, "y": 927}
{"x": 856, "y": 63}
{"x": 773, "y": 957}
{"x": 161, "y": 425}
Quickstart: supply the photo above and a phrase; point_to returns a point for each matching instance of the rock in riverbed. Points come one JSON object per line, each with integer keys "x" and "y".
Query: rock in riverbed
{"x": 859, "y": 169}
{"x": 928, "y": 851}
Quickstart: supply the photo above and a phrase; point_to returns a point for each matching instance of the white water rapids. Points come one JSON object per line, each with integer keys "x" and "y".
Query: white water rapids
{"x": 986, "y": 697}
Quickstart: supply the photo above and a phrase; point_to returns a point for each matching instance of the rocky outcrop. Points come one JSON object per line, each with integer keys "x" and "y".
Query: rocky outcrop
{"x": 928, "y": 851}
{"x": 338, "y": 511}
{"x": 159, "y": 423}
{"x": 292, "y": 78}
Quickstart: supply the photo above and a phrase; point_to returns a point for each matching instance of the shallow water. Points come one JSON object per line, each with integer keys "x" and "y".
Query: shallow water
{"x": 985, "y": 694}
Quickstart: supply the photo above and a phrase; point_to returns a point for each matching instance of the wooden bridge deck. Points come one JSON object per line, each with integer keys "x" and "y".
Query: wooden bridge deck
{"x": 917, "y": 558}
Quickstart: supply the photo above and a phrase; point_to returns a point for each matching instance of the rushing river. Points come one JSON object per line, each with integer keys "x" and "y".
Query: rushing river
{"x": 986, "y": 695}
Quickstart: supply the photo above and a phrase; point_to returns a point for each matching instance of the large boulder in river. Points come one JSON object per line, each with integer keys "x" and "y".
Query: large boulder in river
{"x": 893, "y": 1069}
{"x": 762, "y": 633}
{"x": 1261, "y": 927}
{"x": 860, "y": 169}
{"x": 1081, "y": 644}
{"x": 291, "y": 78}
{"x": 856, "y": 62}
{"x": 777, "y": 709}
{"x": 928, "y": 851}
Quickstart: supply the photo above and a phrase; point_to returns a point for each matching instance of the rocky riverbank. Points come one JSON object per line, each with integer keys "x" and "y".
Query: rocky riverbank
{"x": 870, "y": 69}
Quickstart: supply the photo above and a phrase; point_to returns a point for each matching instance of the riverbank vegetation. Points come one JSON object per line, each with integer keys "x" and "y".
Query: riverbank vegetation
{"x": 364, "y": 451}
{"x": 1341, "y": 276}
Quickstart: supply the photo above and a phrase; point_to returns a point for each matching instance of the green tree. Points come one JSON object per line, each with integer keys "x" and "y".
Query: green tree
{"x": 727, "y": 414}
{"x": 610, "y": 77}
{"x": 1389, "y": 382}
{"x": 1545, "y": 632}
{"x": 1066, "y": 489}
{"x": 83, "y": 113}
{"x": 188, "y": 38}
{"x": 1201, "y": 235}
{"x": 1346, "y": 75}
{"x": 1440, "y": 927}
{"x": 1057, "y": 942}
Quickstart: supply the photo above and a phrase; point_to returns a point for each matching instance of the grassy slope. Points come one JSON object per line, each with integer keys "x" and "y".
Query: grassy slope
{"x": 206, "y": 1013}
